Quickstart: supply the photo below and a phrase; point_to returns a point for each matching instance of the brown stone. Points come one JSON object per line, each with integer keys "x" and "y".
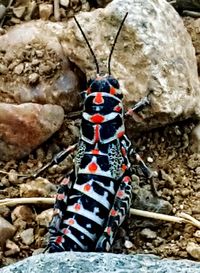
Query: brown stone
{"x": 24, "y": 127}
{"x": 7, "y": 231}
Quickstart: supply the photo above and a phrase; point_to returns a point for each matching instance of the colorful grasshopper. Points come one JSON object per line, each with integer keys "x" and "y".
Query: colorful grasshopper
{"x": 94, "y": 199}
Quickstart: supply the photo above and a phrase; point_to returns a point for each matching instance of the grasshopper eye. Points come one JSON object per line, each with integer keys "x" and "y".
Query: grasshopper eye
{"x": 113, "y": 82}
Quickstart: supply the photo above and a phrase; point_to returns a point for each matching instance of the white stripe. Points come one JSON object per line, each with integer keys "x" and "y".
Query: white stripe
{"x": 71, "y": 236}
{"x": 98, "y": 172}
{"x": 87, "y": 214}
{"x": 108, "y": 188}
{"x": 81, "y": 229}
{"x": 104, "y": 94}
{"x": 92, "y": 194}
{"x": 107, "y": 117}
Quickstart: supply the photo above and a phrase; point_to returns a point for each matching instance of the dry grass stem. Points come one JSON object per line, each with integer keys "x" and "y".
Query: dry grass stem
{"x": 182, "y": 218}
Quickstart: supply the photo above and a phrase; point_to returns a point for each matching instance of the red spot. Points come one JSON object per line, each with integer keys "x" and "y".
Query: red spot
{"x": 71, "y": 221}
{"x": 123, "y": 151}
{"x": 60, "y": 196}
{"x": 98, "y": 98}
{"x": 113, "y": 212}
{"x": 120, "y": 134}
{"x": 97, "y": 118}
{"x": 108, "y": 230}
{"x": 92, "y": 167}
{"x": 126, "y": 179}
{"x": 89, "y": 90}
{"x": 117, "y": 108}
{"x": 112, "y": 91}
{"x": 87, "y": 187}
{"x": 124, "y": 167}
{"x": 59, "y": 240}
{"x": 95, "y": 152}
{"x": 96, "y": 133}
{"x": 77, "y": 206}
{"x": 65, "y": 231}
{"x": 120, "y": 194}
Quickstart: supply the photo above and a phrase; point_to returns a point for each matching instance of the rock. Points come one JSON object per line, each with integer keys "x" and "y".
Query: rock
{"x": 193, "y": 27}
{"x": 13, "y": 176}
{"x": 170, "y": 181}
{"x": 45, "y": 11}
{"x": 33, "y": 78}
{"x": 194, "y": 250}
{"x": 19, "y": 69}
{"x": 7, "y": 231}
{"x": 100, "y": 262}
{"x": 39, "y": 187}
{"x": 3, "y": 69}
{"x": 153, "y": 53}
{"x": 64, "y": 3}
{"x": 44, "y": 218}
{"x": 24, "y": 213}
{"x": 12, "y": 248}
{"x": 24, "y": 127}
{"x": 195, "y": 139}
{"x": 128, "y": 244}
{"x": 148, "y": 233}
{"x": 27, "y": 236}
{"x": 4, "y": 211}
{"x": 19, "y": 11}
{"x": 2, "y": 11}
{"x": 194, "y": 161}
{"x": 47, "y": 76}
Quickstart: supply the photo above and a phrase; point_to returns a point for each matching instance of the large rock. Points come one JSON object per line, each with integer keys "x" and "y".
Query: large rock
{"x": 24, "y": 127}
{"x": 74, "y": 262}
{"x": 154, "y": 52}
{"x": 33, "y": 67}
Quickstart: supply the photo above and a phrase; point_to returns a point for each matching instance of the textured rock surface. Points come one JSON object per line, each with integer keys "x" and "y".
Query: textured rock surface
{"x": 24, "y": 127}
{"x": 193, "y": 27}
{"x": 100, "y": 262}
{"x": 33, "y": 67}
{"x": 7, "y": 231}
{"x": 154, "y": 52}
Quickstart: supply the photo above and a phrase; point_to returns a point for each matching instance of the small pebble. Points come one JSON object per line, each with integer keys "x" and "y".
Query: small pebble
{"x": 148, "y": 233}
{"x": 45, "y": 11}
{"x": 128, "y": 244}
{"x": 19, "y": 69}
{"x": 19, "y": 11}
{"x": 64, "y": 3}
{"x": 33, "y": 78}
{"x": 3, "y": 69}
{"x": 149, "y": 159}
{"x": 194, "y": 250}
{"x": 27, "y": 236}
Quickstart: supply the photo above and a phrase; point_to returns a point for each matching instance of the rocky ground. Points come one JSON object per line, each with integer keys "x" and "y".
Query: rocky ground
{"x": 167, "y": 150}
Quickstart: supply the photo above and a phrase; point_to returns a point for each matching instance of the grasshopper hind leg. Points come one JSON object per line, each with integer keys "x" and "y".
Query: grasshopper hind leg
{"x": 118, "y": 212}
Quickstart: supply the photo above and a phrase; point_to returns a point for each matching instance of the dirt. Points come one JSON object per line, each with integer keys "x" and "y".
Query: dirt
{"x": 169, "y": 150}
{"x": 166, "y": 150}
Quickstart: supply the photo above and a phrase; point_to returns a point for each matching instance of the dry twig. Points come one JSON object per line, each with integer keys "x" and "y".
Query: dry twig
{"x": 182, "y": 218}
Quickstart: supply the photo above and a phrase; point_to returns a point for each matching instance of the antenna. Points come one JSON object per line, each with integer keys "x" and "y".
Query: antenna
{"x": 113, "y": 46}
{"x": 92, "y": 52}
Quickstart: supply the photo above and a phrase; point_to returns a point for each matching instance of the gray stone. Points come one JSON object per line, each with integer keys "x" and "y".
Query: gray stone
{"x": 76, "y": 262}
{"x": 154, "y": 53}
